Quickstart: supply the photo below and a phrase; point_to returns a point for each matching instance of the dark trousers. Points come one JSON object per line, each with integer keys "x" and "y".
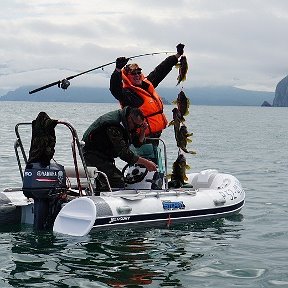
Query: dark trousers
{"x": 114, "y": 175}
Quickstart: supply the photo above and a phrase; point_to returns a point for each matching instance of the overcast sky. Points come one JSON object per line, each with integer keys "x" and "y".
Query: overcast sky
{"x": 241, "y": 43}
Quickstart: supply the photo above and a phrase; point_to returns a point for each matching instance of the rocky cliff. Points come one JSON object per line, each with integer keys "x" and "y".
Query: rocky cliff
{"x": 266, "y": 104}
{"x": 281, "y": 93}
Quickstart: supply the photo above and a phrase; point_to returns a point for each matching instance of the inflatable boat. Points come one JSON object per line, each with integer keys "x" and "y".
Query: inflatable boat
{"x": 77, "y": 209}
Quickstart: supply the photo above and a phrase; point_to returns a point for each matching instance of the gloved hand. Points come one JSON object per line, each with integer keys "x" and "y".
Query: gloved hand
{"x": 121, "y": 62}
{"x": 180, "y": 49}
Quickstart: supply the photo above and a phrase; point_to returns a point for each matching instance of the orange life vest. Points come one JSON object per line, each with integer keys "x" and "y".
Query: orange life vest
{"x": 152, "y": 107}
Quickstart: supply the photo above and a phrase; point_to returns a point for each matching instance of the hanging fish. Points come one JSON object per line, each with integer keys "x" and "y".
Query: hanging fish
{"x": 178, "y": 176}
{"x": 182, "y": 139}
{"x": 176, "y": 122}
{"x": 183, "y": 103}
{"x": 183, "y": 68}
{"x": 177, "y": 118}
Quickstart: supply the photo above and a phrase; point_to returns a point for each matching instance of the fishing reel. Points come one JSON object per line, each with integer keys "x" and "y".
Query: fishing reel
{"x": 64, "y": 84}
{"x": 137, "y": 174}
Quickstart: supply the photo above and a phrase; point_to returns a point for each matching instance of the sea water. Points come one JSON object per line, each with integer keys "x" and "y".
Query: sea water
{"x": 247, "y": 250}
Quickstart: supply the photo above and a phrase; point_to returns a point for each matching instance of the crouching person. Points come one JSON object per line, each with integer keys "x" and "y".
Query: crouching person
{"x": 109, "y": 137}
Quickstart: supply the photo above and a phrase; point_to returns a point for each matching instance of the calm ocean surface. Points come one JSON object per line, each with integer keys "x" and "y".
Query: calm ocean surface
{"x": 250, "y": 250}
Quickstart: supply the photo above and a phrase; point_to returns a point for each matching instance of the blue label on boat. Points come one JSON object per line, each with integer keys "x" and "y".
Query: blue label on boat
{"x": 168, "y": 205}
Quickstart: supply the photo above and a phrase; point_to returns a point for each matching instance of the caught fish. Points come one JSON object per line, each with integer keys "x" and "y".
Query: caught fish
{"x": 182, "y": 139}
{"x": 178, "y": 176}
{"x": 177, "y": 118}
{"x": 183, "y": 68}
{"x": 176, "y": 122}
{"x": 182, "y": 103}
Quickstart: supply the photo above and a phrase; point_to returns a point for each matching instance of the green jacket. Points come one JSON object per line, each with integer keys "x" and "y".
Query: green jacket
{"x": 108, "y": 138}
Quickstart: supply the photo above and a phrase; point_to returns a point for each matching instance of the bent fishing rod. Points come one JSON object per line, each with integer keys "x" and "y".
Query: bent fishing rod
{"x": 64, "y": 84}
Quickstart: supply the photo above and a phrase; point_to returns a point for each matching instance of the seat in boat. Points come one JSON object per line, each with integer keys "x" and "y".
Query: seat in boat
{"x": 204, "y": 179}
{"x": 71, "y": 176}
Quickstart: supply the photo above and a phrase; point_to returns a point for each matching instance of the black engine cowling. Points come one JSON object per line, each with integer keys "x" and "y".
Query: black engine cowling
{"x": 43, "y": 181}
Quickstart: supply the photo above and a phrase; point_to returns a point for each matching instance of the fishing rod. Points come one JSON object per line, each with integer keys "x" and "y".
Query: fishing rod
{"x": 64, "y": 84}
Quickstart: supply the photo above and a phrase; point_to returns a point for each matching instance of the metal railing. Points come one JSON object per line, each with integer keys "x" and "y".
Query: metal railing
{"x": 75, "y": 146}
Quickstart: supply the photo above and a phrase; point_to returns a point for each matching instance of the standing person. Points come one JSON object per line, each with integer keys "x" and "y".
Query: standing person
{"x": 131, "y": 88}
{"x": 109, "y": 137}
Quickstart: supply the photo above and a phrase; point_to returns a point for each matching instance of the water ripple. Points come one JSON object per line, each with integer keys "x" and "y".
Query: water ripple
{"x": 248, "y": 250}
{"x": 236, "y": 273}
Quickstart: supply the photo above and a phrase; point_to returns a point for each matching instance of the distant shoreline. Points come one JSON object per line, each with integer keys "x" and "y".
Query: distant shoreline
{"x": 219, "y": 96}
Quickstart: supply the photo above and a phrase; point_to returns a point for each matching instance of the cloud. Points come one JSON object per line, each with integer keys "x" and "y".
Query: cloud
{"x": 228, "y": 42}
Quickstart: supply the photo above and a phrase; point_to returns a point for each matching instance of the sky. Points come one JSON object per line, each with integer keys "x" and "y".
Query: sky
{"x": 240, "y": 43}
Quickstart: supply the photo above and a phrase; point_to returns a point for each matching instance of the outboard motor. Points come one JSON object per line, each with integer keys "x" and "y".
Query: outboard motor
{"x": 44, "y": 184}
{"x": 42, "y": 180}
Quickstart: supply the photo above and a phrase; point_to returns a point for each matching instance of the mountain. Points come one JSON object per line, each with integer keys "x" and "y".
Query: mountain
{"x": 221, "y": 96}
{"x": 218, "y": 95}
{"x": 266, "y": 104}
{"x": 281, "y": 93}
{"x": 55, "y": 94}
